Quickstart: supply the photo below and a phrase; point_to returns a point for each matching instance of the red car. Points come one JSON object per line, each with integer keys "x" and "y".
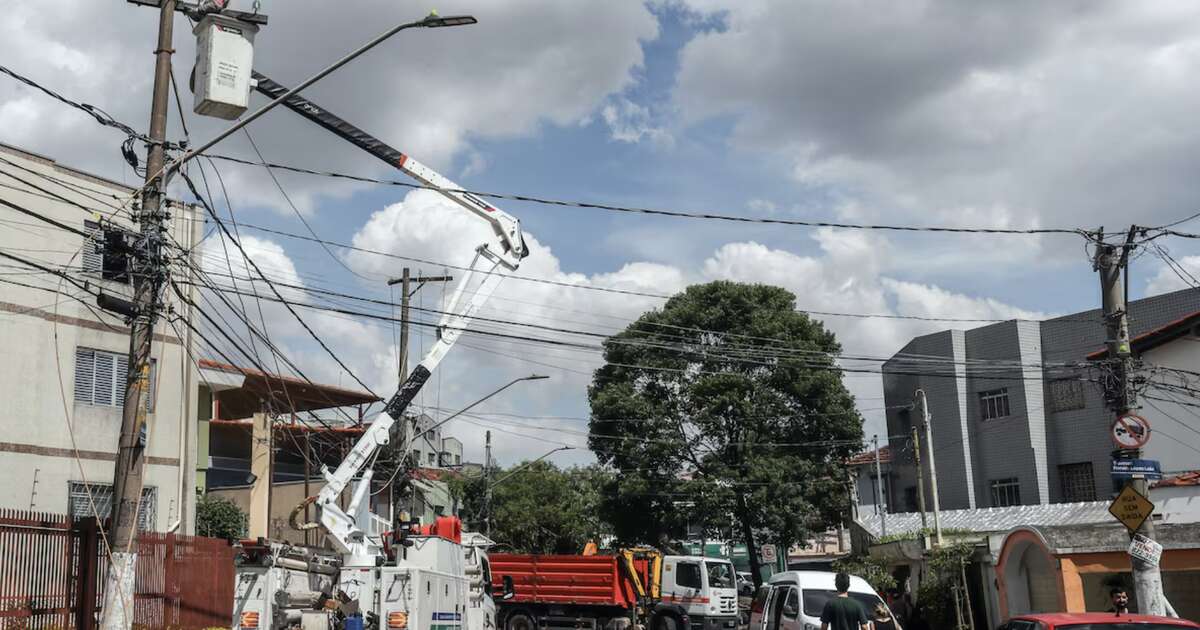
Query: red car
{"x": 1095, "y": 621}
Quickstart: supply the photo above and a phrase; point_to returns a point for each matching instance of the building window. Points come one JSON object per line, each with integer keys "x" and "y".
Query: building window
{"x": 910, "y": 499}
{"x": 457, "y": 460}
{"x": 1006, "y": 492}
{"x": 83, "y": 496}
{"x": 100, "y": 378}
{"x": 993, "y": 404}
{"x": 105, "y": 252}
{"x": 1066, "y": 394}
{"x": 432, "y": 459}
{"x": 1078, "y": 483}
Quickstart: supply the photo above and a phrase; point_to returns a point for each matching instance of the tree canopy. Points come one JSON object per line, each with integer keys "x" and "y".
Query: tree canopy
{"x": 724, "y": 405}
{"x": 537, "y": 507}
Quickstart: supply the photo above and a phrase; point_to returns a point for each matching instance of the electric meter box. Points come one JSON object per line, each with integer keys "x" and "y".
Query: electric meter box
{"x": 224, "y": 60}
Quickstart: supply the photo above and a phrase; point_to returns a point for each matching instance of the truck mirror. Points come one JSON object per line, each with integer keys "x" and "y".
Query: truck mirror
{"x": 509, "y": 591}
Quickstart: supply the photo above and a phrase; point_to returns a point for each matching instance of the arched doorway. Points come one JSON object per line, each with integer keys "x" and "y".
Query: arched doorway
{"x": 1028, "y": 574}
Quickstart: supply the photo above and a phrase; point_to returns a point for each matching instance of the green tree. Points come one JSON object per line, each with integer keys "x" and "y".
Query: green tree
{"x": 218, "y": 517}
{"x": 727, "y": 401}
{"x": 539, "y": 509}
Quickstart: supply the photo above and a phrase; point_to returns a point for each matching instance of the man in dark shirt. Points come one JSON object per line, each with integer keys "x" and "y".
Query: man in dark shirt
{"x": 841, "y": 612}
{"x": 1120, "y": 601}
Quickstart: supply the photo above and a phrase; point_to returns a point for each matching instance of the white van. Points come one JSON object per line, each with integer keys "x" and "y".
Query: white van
{"x": 793, "y": 600}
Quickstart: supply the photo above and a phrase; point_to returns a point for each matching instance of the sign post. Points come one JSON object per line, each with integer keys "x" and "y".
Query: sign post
{"x": 1131, "y": 508}
{"x": 1145, "y": 549}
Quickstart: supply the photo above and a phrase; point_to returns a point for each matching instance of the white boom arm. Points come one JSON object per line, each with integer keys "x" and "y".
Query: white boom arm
{"x": 355, "y": 531}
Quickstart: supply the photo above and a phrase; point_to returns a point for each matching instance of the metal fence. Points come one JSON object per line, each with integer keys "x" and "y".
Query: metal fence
{"x": 52, "y": 575}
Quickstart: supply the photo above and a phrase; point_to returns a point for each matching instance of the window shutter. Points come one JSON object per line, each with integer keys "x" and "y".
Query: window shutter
{"x": 85, "y": 375}
{"x": 104, "y": 391}
{"x": 93, "y": 248}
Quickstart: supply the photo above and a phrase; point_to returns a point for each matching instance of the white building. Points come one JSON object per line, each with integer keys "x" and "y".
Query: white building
{"x": 64, "y": 360}
{"x": 432, "y": 449}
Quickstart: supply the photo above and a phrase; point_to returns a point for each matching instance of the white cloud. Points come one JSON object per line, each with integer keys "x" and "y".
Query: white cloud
{"x": 428, "y": 91}
{"x": 629, "y": 122}
{"x": 1167, "y": 279}
{"x": 1017, "y": 113}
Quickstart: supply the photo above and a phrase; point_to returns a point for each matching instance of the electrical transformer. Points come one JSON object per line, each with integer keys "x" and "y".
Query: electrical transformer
{"x": 224, "y": 60}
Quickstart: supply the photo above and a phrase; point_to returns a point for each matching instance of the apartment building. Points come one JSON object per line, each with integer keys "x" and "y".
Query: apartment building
{"x": 1017, "y": 416}
{"x": 62, "y": 376}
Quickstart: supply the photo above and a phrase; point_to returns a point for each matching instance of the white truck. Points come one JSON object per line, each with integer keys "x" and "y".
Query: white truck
{"x": 396, "y": 576}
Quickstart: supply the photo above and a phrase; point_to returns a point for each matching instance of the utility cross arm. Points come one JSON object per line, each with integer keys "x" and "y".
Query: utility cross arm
{"x": 354, "y": 531}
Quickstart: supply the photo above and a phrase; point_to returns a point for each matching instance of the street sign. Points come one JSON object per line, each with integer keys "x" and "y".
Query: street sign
{"x": 768, "y": 554}
{"x": 1131, "y": 508}
{"x": 1136, "y": 469}
{"x": 1145, "y": 549}
{"x": 1130, "y": 431}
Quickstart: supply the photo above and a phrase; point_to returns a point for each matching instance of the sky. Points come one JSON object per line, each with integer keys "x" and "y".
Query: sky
{"x": 1019, "y": 114}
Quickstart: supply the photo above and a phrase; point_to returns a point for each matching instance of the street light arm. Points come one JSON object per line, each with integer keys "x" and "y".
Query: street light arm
{"x": 527, "y": 465}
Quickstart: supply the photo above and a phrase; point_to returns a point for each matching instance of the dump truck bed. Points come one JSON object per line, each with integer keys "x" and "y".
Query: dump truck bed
{"x": 568, "y": 579}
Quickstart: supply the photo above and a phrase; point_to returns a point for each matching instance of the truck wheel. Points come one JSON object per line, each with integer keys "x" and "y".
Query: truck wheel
{"x": 667, "y": 622}
{"x": 519, "y": 621}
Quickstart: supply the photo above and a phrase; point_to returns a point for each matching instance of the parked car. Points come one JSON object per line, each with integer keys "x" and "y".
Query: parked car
{"x": 793, "y": 600}
{"x": 1095, "y": 621}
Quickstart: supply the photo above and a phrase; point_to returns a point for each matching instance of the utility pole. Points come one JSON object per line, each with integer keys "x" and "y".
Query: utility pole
{"x": 933, "y": 486}
{"x": 149, "y": 269}
{"x": 882, "y": 501}
{"x": 405, "y": 281}
{"x": 916, "y": 442}
{"x": 1112, "y": 263}
{"x": 487, "y": 484}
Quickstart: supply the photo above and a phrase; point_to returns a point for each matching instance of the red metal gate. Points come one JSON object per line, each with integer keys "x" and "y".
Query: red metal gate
{"x": 52, "y": 575}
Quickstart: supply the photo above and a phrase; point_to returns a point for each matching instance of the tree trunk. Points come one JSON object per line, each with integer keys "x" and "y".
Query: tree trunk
{"x": 743, "y": 514}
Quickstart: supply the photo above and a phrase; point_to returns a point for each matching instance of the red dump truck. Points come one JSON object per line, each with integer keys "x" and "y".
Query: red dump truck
{"x": 631, "y": 589}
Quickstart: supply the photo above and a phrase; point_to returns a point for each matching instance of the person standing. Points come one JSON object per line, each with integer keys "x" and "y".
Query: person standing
{"x": 841, "y": 612}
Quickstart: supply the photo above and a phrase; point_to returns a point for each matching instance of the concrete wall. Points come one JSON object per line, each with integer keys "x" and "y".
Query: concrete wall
{"x": 1174, "y": 423}
{"x": 48, "y": 440}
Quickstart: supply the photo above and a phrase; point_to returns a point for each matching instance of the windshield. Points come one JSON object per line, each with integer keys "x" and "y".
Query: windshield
{"x": 1120, "y": 626}
{"x": 814, "y": 601}
{"x": 720, "y": 574}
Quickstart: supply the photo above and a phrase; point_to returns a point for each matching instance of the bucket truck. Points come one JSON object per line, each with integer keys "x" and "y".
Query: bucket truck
{"x": 399, "y": 576}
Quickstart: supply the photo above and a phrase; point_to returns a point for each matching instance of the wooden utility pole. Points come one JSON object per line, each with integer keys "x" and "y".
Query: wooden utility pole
{"x": 406, "y": 292}
{"x": 148, "y": 271}
{"x": 405, "y": 281}
{"x": 1112, "y": 263}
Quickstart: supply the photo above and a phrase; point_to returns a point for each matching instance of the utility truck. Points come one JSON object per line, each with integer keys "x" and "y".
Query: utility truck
{"x": 398, "y": 576}
{"x": 630, "y": 589}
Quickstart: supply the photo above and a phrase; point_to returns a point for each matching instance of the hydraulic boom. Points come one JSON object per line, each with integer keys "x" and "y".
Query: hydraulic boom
{"x": 356, "y": 531}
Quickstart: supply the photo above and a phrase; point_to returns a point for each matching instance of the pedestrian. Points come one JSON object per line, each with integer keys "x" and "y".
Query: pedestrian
{"x": 841, "y": 612}
{"x": 882, "y": 619}
{"x": 902, "y": 607}
{"x": 1120, "y": 600}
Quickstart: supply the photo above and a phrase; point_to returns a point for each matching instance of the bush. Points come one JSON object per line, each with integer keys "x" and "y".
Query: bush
{"x": 873, "y": 570}
{"x": 217, "y": 517}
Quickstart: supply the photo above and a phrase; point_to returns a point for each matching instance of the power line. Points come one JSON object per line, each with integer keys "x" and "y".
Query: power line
{"x": 661, "y": 212}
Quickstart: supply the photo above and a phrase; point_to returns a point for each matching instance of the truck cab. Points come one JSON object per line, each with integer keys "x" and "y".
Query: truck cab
{"x": 705, "y": 588}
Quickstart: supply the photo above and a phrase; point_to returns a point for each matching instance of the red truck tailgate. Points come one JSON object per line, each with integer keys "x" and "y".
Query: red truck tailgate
{"x": 594, "y": 580}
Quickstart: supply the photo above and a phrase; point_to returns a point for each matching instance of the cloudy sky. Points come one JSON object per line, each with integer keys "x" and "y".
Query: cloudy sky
{"x": 1014, "y": 114}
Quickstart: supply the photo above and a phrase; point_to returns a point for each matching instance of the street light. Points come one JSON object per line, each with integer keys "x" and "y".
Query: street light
{"x": 526, "y": 465}
{"x": 433, "y": 20}
{"x": 487, "y": 490}
{"x": 531, "y": 377}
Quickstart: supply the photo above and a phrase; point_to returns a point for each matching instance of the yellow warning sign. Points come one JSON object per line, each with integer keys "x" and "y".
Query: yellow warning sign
{"x": 1131, "y": 508}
